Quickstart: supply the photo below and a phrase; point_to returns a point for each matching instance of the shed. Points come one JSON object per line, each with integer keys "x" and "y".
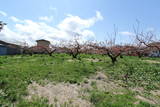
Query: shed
{"x": 43, "y": 43}
{"x": 3, "y": 50}
{"x": 9, "y": 49}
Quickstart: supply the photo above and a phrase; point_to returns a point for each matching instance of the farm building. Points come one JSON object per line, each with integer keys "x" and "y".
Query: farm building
{"x": 9, "y": 49}
{"x": 43, "y": 43}
{"x": 43, "y": 46}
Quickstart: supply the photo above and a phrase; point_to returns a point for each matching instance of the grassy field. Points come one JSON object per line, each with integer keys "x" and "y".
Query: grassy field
{"x": 137, "y": 80}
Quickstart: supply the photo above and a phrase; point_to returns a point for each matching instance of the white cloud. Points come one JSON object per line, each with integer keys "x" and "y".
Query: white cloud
{"x": 126, "y": 33}
{"x": 46, "y": 18}
{"x": 15, "y": 19}
{"x": 76, "y": 23}
{"x": 39, "y": 30}
{"x": 2, "y": 13}
{"x": 99, "y": 16}
{"x": 81, "y": 26}
{"x": 87, "y": 34}
{"x": 30, "y": 31}
{"x": 9, "y": 35}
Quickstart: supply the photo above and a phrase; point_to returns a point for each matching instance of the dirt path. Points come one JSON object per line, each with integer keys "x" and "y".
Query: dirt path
{"x": 152, "y": 61}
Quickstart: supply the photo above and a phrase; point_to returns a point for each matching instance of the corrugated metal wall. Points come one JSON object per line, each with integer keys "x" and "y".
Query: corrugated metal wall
{"x": 12, "y": 51}
{"x": 3, "y": 50}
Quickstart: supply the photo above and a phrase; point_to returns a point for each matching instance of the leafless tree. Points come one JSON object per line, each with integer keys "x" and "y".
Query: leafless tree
{"x": 145, "y": 41}
{"x": 50, "y": 50}
{"x": 25, "y": 48}
{"x": 110, "y": 48}
{"x": 113, "y": 52}
{"x": 138, "y": 49}
{"x": 74, "y": 47}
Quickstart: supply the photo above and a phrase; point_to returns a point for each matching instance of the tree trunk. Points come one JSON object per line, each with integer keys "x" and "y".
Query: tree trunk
{"x": 114, "y": 59}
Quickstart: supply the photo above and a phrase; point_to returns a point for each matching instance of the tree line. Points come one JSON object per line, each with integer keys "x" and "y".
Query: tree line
{"x": 144, "y": 43}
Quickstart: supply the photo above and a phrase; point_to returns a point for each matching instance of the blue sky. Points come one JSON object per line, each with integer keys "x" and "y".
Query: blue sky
{"x": 52, "y": 13}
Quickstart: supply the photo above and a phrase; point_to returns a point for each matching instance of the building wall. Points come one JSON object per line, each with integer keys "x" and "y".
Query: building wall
{"x": 154, "y": 54}
{"x": 3, "y": 50}
{"x": 13, "y": 51}
{"x": 43, "y": 43}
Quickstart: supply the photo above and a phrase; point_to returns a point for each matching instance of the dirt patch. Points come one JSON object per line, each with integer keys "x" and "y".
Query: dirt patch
{"x": 156, "y": 92}
{"x": 145, "y": 99}
{"x": 72, "y": 94}
{"x": 138, "y": 89}
{"x": 70, "y": 60}
{"x": 101, "y": 82}
{"x": 152, "y": 61}
{"x": 153, "y": 98}
{"x": 93, "y": 60}
{"x": 59, "y": 94}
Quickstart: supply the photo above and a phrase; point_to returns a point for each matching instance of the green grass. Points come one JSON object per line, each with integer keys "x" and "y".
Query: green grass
{"x": 140, "y": 73}
{"x": 106, "y": 99}
{"x": 17, "y": 72}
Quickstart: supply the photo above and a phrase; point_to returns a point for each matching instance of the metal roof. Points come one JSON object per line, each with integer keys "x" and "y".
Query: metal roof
{"x": 43, "y": 40}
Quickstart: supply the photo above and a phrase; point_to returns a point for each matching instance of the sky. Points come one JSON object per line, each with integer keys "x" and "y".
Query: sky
{"x": 61, "y": 20}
